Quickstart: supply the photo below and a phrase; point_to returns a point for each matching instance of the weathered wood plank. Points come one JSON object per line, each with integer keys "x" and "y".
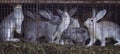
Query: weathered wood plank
{"x": 62, "y": 1}
{"x": 17, "y": 1}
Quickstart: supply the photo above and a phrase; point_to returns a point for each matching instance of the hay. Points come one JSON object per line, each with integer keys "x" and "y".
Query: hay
{"x": 30, "y": 48}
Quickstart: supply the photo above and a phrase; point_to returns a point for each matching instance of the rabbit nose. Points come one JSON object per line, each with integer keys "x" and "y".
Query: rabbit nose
{"x": 65, "y": 13}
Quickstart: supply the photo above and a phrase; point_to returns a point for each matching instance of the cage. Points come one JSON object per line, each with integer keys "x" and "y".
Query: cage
{"x": 37, "y": 27}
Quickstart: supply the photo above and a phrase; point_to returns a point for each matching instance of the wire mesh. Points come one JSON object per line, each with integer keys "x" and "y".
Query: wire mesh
{"x": 36, "y": 28}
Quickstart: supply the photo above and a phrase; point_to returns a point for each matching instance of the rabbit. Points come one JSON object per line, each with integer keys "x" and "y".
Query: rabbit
{"x": 33, "y": 27}
{"x": 73, "y": 24}
{"x": 12, "y": 23}
{"x": 101, "y": 29}
{"x": 54, "y": 22}
{"x": 67, "y": 20}
{"x": 38, "y": 27}
{"x": 63, "y": 26}
{"x": 78, "y": 35}
{"x": 74, "y": 33}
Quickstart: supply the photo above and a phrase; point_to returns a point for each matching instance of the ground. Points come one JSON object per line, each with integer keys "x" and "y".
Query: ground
{"x": 43, "y": 48}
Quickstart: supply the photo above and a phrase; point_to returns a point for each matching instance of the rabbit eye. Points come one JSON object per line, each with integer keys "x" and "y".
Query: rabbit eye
{"x": 53, "y": 17}
{"x": 65, "y": 16}
{"x": 91, "y": 20}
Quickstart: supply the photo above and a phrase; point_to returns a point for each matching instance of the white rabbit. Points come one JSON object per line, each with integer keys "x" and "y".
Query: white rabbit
{"x": 63, "y": 26}
{"x": 103, "y": 29}
{"x": 71, "y": 23}
{"x": 12, "y": 23}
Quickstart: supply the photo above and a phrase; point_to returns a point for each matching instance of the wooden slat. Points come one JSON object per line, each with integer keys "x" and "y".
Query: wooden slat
{"x": 62, "y": 1}
{"x": 17, "y": 1}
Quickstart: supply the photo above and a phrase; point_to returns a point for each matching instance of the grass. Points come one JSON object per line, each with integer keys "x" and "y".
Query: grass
{"x": 43, "y": 48}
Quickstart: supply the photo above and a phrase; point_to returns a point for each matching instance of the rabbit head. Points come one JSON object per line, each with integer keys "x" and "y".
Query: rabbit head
{"x": 90, "y": 22}
{"x": 32, "y": 16}
{"x": 64, "y": 14}
{"x": 54, "y": 19}
{"x": 67, "y": 19}
{"x": 69, "y": 13}
{"x": 74, "y": 23}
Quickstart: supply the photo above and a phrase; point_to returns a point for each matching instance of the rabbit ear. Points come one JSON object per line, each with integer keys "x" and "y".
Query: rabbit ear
{"x": 49, "y": 12}
{"x": 93, "y": 12}
{"x": 101, "y": 14}
{"x": 45, "y": 14}
{"x": 72, "y": 11}
{"x": 29, "y": 14}
{"x": 60, "y": 12}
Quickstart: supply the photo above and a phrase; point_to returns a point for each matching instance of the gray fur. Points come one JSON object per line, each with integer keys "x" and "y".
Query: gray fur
{"x": 40, "y": 28}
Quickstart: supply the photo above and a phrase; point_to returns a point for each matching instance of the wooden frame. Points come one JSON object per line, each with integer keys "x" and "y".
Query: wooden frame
{"x": 62, "y": 1}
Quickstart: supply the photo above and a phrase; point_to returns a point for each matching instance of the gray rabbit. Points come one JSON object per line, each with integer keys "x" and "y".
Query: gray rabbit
{"x": 40, "y": 28}
{"x": 54, "y": 22}
{"x": 33, "y": 27}
{"x": 77, "y": 35}
{"x": 103, "y": 29}
{"x": 12, "y": 23}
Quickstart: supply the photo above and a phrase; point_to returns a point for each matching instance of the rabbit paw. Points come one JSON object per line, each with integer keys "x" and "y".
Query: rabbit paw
{"x": 102, "y": 44}
{"x": 14, "y": 40}
{"x": 56, "y": 42}
{"x": 89, "y": 45}
{"x": 61, "y": 42}
{"x": 117, "y": 44}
